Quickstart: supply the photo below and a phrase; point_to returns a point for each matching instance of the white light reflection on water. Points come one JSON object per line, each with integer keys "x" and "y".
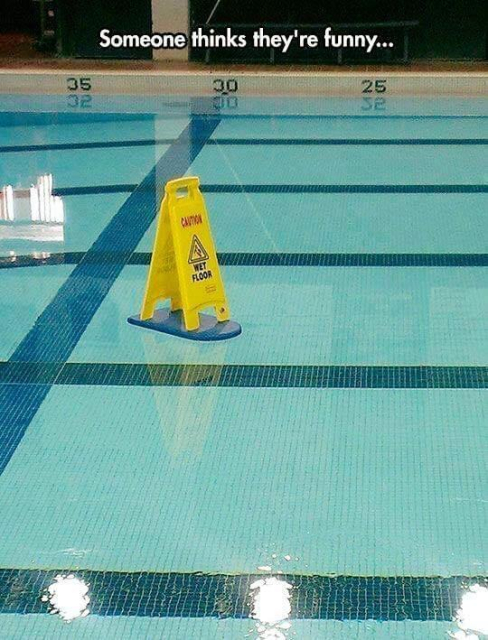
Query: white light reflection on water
{"x": 271, "y": 607}
{"x": 32, "y": 214}
{"x": 68, "y": 597}
{"x": 472, "y": 616}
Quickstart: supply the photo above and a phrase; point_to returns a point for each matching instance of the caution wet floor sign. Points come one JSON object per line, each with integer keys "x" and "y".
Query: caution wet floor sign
{"x": 184, "y": 269}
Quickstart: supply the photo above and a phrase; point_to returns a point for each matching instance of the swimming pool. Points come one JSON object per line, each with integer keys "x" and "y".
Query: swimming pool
{"x": 323, "y": 475}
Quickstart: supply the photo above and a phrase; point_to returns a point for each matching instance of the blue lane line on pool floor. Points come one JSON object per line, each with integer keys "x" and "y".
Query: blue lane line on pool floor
{"x": 59, "y": 327}
{"x": 257, "y": 259}
{"x": 73, "y": 146}
{"x": 338, "y": 142}
{"x": 292, "y": 188}
{"x": 243, "y": 376}
{"x": 59, "y": 117}
{"x": 339, "y": 116}
{"x": 201, "y": 595}
{"x": 113, "y": 144}
{"x": 95, "y": 189}
{"x": 345, "y": 188}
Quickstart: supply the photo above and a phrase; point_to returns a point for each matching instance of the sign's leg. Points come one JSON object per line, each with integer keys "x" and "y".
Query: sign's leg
{"x": 148, "y": 307}
{"x": 222, "y": 313}
{"x": 191, "y": 319}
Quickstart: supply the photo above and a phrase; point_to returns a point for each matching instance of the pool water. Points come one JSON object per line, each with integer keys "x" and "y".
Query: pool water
{"x": 324, "y": 474}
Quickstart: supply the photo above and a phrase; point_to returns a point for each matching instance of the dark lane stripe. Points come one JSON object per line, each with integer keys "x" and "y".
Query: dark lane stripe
{"x": 292, "y": 188}
{"x": 341, "y": 116}
{"x": 347, "y": 141}
{"x": 198, "y": 595}
{"x": 77, "y": 300}
{"x": 352, "y": 259}
{"x": 271, "y": 259}
{"x": 107, "y": 188}
{"x": 114, "y": 144}
{"x": 58, "y": 117}
{"x": 13, "y": 374}
{"x": 72, "y": 146}
{"x": 345, "y": 188}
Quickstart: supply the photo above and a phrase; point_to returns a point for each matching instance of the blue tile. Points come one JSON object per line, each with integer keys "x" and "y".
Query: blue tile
{"x": 251, "y": 376}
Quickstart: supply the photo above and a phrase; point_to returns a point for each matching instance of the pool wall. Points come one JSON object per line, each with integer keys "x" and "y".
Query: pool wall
{"x": 230, "y": 83}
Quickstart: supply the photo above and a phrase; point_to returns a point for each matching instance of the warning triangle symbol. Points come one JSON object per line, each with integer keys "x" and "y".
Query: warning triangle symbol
{"x": 197, "y": 251}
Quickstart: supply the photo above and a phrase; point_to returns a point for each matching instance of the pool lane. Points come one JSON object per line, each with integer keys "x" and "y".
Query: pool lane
{"x": 346, "y": 223}
{"x": 312, "y": 315}
{"x": 72, "y": 167}
{"x": 24, "y": 295}
{"x": 350, "y": 128}
{"x": 344, "y": 166}
{"x": 349, "y": 482}
{"x": 115, "y": 129}
{"x": 80, "y": 167}
{"x": 358, "y": 164}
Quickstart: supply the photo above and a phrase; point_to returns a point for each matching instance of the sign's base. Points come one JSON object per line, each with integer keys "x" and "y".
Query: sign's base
{"x": 172, "y": 323}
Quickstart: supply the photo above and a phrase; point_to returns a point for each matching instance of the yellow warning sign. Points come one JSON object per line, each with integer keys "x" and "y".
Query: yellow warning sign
{"x": 197, "y": 252}
{"x": 184, "y": 266}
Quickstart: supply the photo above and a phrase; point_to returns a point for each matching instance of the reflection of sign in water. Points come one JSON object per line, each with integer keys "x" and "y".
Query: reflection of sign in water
{"x": 24, "y": 208}
{"x": 186, "y": 424}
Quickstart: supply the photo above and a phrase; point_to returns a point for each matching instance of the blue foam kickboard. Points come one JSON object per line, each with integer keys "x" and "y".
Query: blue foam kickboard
{"x": 166, "y": 321}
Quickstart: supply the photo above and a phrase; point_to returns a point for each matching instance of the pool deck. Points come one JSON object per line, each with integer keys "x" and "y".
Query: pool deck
{"x": 125, "y": 77}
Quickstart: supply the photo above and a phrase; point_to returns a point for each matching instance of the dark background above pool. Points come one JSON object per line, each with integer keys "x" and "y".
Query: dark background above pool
{"x": 453, "y": 29}
{"x": 447, "y": 29}
{"x": 81, "y": 22}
